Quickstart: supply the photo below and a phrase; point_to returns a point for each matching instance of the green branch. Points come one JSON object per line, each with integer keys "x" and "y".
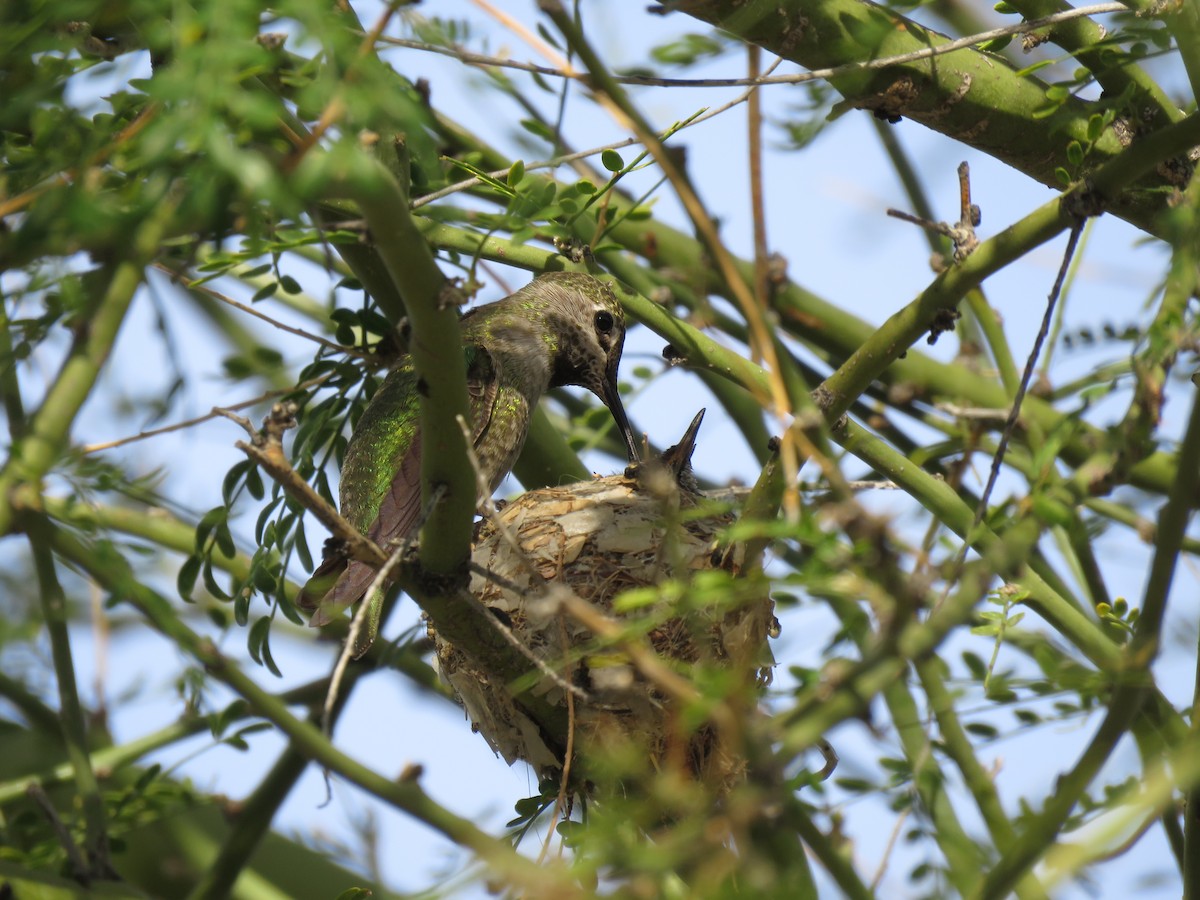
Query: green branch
{"x": 975, "y": 98}
{"x": 49, "y": 428}
{"x": 71, "y": 716}
{"x": 1040, "y": 834}
{"x": 254, "y": 819}
{"x": 113, "y": 574}
{"x": 1113, "y": 67}
{"x": 446, "y": 534}
{"x": 113, "y": 759}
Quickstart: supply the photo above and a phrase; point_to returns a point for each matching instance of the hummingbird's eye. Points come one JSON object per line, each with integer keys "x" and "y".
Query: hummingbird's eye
{"x": 604, "y": 322}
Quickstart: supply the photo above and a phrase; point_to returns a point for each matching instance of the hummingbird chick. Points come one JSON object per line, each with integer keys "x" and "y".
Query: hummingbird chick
{"x": 561, "y": 329}
{"x": 673, "y": 466}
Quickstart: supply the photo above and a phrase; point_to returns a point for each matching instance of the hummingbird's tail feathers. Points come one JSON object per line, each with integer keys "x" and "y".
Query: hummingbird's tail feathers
{"x": 398, "y": 512}
{"x": 323, "y": 579}
{"x": 347, "y": 590}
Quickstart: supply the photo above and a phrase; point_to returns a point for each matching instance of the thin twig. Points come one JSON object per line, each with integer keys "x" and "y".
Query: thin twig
{"x": 479, "y": 59}
{"x": 887, "y": 850}
{"x": 356, "y": 623}
{"x": 758, "y": 211}
{"x": 1014, "y": 414}
{"x": 521, "y": 30}
{"x": 975, "y": 413}
{"x": 250, "y": 310}
{"x": 643, "y": 657}
{"x": 266, "y": 448}
{"x": 961, "y": 233}
{"x": 79, "y": 866}
{"x": 216, "y": 412}
{"x": 560, "y": 801}
{"x": 557, "y": 161}
{"x": 831, "y": 759}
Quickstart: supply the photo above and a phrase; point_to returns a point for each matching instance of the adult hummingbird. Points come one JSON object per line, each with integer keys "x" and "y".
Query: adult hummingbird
{"x": 563, "y": 328}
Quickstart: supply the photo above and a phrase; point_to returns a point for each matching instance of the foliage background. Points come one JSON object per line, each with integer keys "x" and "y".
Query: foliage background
{"x": 178, "y": 354}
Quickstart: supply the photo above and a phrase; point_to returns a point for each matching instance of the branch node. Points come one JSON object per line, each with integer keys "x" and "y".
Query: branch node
{"x": 962, "y": 233}
{"x": 1084, "y": 202}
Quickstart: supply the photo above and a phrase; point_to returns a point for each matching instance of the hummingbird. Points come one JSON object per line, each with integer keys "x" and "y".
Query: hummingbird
{"x": 563, "y": 328}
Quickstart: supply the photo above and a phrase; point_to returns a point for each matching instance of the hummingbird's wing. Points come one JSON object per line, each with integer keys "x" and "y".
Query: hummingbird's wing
{"x": 400, "y": 508}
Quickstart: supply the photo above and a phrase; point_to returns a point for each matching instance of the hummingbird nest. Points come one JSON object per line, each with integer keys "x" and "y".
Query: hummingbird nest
{"x": 557, "y": 559}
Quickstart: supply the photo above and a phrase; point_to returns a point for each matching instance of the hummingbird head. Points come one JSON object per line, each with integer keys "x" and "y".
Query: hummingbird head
{"x": 586, "y": 328}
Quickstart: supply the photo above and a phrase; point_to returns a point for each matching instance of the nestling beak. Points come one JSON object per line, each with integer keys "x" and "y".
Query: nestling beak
{"x": 679, "y": 456}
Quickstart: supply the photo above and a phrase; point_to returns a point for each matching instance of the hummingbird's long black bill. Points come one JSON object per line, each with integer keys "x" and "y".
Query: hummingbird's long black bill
{"x": 612, "y": 399}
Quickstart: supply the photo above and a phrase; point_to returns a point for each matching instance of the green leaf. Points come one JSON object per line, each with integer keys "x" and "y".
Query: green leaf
{"x": 485, "y": 177}
{"x": 976, "y": 664}
{"x": 185, "y": 581}
{"x": 268, "y": 659}
{"x": 995, "y": 45}
{"x": 258, "y": 637}
{"x": 301, "y": 545}
{"x": 854, "y": 785}
{"x": 224, "y": 539}
{"x": 1075, "y": 153}
{"x": 267, "y": 290}
{"x": 207, "y": 523}
{"x": 220, "y": 721}
{"x": 612, "y": 161}
{"x": 254, "y": 483}
{"x": 264, "y": 517}
{"x": 539, "y": 129}
{"x": 210, "y": 581}
{"x": 686, "y": 50}
{"x": 232, "y": 477}
{"x": 516, "y": 173}
{"x": 1029, "y": 70}
{"x": 264, "y": 580}
{"x": 290, "y": 285}
{"x": 147, "y": 777}
{"x": 1062, "y": 176}
{"x": 241, "y": 609}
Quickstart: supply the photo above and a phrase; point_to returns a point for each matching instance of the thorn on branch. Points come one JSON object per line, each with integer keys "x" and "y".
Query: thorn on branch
{"x": 961, "y": 233}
